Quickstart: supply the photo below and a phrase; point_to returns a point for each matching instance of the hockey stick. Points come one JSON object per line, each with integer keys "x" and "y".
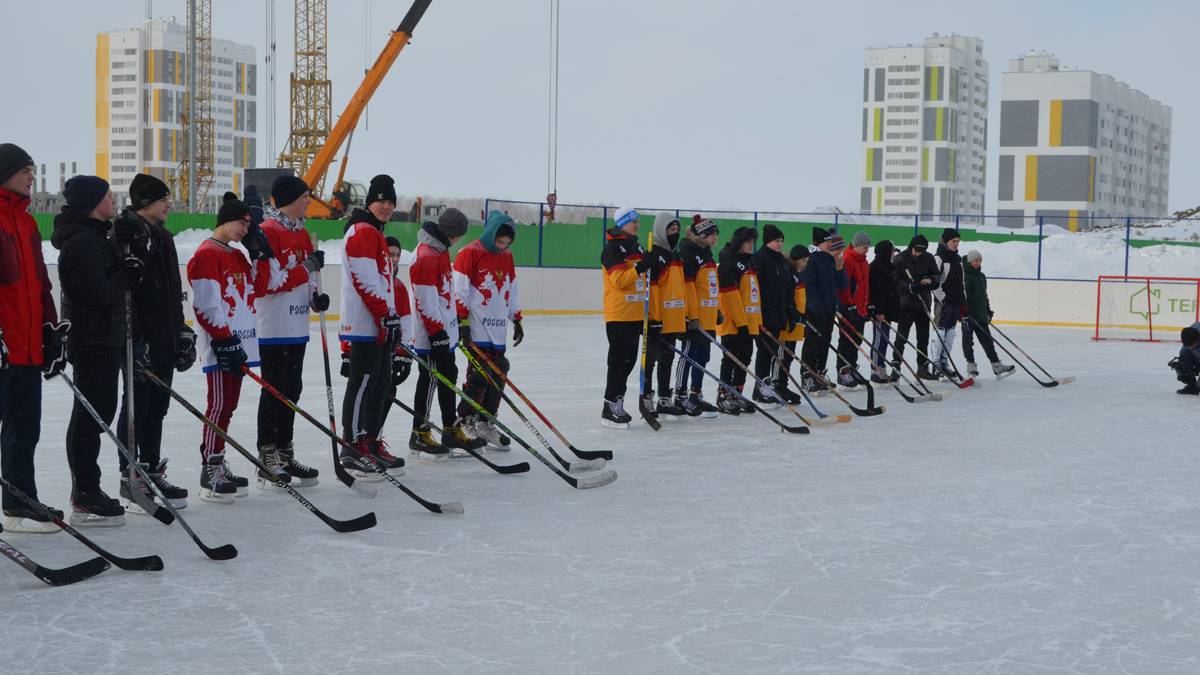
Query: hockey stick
{"x": 921, "y": 395}
{"x": 354, "y": 525}
{"x": 822, "y": 420}
{"x": 643, "y": 407}
{"x": 762, "y": 385}
{"x": 581, "y": 454}
{"x": 872, "y": 409}
{"x": 55, "y": 577}
{"x": 963, "y": 382}
{"x": 869, "y": 412}
{"x": 1051, "y": 383}
{"x": 338, "y": 470}
{"x": 448, "y": 507}
{"x": 150, "y": 563}
{"x": 924, "y": 393}
{"x": 571, "y": 467}
{"x": 223, "y": 552}
{"x": 799, "y": 429}
{"x": 1061, "y": 380}
{"x": 136, "y": 496}
{"x": 520, "y": 467}
{"x": 595, "y": 480}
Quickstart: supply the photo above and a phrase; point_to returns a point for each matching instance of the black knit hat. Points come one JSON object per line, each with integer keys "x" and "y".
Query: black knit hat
{"x": 232, "y": 210}
{"x": 452, "y": 223}
{"x": 771, "y": 233}
{"x": 919, "y": 241}
{"x": 12, "y": 160}
{"x": 950, "y": 233}
{"x": 743, "y": 235}
{"x": 1189, "y": 336}
{"x": 84, "y": 193}
{"x": 382, "y": 189}
{"x": 287, "y": 189}
{"x": 145, "y": 189}
{"x": 228, "y": 196}
{"x": 821, "y": 235}
{"x": 799, "y": 252}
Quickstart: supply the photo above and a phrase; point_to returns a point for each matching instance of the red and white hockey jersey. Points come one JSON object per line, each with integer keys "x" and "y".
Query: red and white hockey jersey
{"x": 485, "y": 290}
{"x": 283, "y": 307}
{"x": 223, "y": 295}
{"x": 404, "y": 310}
{"x": 367, "y": 283}
{"x": 433, "y": 296}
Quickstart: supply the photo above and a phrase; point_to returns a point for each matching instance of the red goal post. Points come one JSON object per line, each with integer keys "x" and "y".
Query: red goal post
{"x": 1133, "y": 307}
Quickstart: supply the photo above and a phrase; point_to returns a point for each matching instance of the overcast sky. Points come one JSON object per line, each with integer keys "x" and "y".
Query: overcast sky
{"x": 752, "y": 104}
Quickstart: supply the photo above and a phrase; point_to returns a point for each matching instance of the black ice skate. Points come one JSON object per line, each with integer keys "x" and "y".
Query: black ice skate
{"x": 176, "y": 495}
{"x": 25, "y": 520}
{"x": 302, "y": 474}
{"x": 217, "y": 485}
{"x": 275, "y": 474}
{"x": 422, "y": 445}
{"x": 95, "y": 509}
{"x": 613, "y": 415}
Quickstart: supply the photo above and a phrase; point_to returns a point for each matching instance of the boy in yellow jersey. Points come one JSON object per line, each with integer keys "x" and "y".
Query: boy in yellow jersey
{"x": 740, "y": 304}
{"x": 701, "y": 304}
{"x": 667, "y": 316}
{"x": 624, "y": 265}
{"x": 790, "y": 336}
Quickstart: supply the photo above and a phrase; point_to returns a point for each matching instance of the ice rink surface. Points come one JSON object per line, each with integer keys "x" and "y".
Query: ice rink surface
{"x": 1007, "y": 529}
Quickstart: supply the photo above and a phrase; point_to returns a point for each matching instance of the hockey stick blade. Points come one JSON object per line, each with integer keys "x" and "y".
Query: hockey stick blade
{"x": 606, "y": 455}
{"x": 505, "y": 469}
{"x": 55, "y": 577}
{"x": 598, "y": 480}
{"x": 448, "y": 508}
{"x": 586, "y": 466}
{"x": 869, "y": 412}
{"x": 1066, "y": 380}
{"x": 363, "y": 522}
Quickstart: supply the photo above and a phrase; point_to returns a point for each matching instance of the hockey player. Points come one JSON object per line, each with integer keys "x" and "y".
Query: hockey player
{"x": 774, "y": 275}
{"x": 32, "y": 341}
{"x": 624, "y": 263}
{"x": 701, "y": 302}
{"x": 742, "y": 310}
{"x": 916, "y": 277}
{"x": 951, "y": 295}
{"x": 486, "y": 298}
{"x": 979, "y": 316}
{"x": 224, "y": 292}
{"x": 401, "y": 357}
{"x": 885, "y": 300}
{"x": 95, "y": 275}
{"x": 435, "y": 333}
{"x": 855, "y": 307}
{"x": 1187, "y": 364}
{"x": 373, "y": 327}
{"x": 668, "y": 318}
{"x": 798, "y": 257}
{"x": 284, "y": 258}
{"x": 823, "y": 276}
{"x": 163, "y": 342}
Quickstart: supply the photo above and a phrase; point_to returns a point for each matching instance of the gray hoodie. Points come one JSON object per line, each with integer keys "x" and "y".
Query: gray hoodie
{"x": 662, "y": 220}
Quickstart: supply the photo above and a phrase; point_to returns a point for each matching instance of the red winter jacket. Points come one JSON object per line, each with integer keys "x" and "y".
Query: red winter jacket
{"x": 25, "y": 299}
{"x": 858, "y": 273}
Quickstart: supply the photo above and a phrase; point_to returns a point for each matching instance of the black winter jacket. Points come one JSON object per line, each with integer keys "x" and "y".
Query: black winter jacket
{"x": 950, "y": 266}
{"x": 884, "y": 294}
{"x": 775, "y": 283}
{"x": 822, "y": 280}
{"x": 923, "y": 266}
{"x": 158, "y": 301}
{"x": 92, "y": 281}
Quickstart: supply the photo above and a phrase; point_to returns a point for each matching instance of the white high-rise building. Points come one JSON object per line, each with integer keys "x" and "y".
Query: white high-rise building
{"x": 1077, "y": 147}
{"x": 924, "y": 127}
{"x": 141, "y": 85}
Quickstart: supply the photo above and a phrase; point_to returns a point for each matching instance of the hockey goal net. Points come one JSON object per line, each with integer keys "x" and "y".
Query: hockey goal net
{"x": 1145, "y": 309}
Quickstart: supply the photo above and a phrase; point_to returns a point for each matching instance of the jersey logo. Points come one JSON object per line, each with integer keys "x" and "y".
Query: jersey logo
{"x": 753, "y": 289}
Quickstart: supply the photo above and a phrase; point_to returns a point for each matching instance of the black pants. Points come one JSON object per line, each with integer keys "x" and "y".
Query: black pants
{"x": 908, "y": 318}
{"x": 97, "y": 372}
{"x": 766, "y": 355}
{"x": 283, "y": 367}
{"x": 698, "y": 349}
{"x": 20, "y": 428}
{"x": 660, "y": 359}
{"x": 622, "y": 356}
{"x": 971, "y": 329}
{"x": 815, "y": 352}
{"x": 742, "y": 347}
{"x": 150, "y": 404}
{"x": 367, "y": 390}
{"x": 484, "y": 387}
{"x": 443, "y": 361}
{"x": 850, "y": 338}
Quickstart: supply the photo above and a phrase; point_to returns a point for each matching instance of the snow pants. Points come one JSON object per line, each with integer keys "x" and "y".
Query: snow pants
{"x": 622, "y": 356}
{"x": 20, "y": 428}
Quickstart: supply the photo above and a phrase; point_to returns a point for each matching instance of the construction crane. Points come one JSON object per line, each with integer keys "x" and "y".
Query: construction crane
{"x": 311, "y": 92}
{"x": 195, "y": 175}
{"x": 314, "y": 174}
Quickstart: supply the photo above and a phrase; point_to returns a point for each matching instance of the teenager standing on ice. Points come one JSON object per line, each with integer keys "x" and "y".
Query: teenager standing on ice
{"x": 486, "y": 298}
{"x": 855, "y": 301}
{"x": 822, "y": 277}
{"x": 701, "y": 293}
{"x": 916, "y": 278}
{"x": 979, "y": 317}
{"x": 624, "y": 264}
{"x": 951, "y": 295}
{"x": 284, "y": 258}
{"x": 32, "y": 341}
{"x": 885, "y": 300}
{"x": 774, "y": 272}
{"x": 668, "y": 320}
{"x": 798, "y": 259}
{"x": 224, "y": 292}
{"x": 741, "y": 308}
{"x": 163, "y": 342}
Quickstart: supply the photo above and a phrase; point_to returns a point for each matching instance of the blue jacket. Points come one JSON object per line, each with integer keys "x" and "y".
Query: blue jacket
{"x": 822, "y": 280}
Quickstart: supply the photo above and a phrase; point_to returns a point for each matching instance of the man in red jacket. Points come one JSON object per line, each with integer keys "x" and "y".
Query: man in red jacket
{"x": 31, "y": 339}
{"x": 855, "y": 301}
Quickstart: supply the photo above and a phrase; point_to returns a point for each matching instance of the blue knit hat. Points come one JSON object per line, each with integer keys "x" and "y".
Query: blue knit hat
{"x": 84, "y": 193}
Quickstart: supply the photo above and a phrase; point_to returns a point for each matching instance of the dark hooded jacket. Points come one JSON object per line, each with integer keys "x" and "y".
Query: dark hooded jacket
{"x": 950, "y": 267}
{"x": 158, "y": 300}
{"x": 92, "y": 281}
{"x": 979, "y": 308}
{"x": 775, "y": 284}
{"x": 822, "y": 279}
{"x": 884, "y": 294}
{"x": 912, "y": 294}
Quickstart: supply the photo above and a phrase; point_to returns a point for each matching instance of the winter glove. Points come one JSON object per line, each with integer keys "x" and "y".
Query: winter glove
{"x": 850, "y": 310}
{"x": 642, "y": 265}
{"x": 401, "y": 367}
{"x": 391, "y": 326}
{"x": 130, "y": 272}
{"x": 464, "y": 329}
{"x": 518, "y": 333}
{"x": 256, "y": 244}
{"x": 345, "y": 370}
{"x": 3, "y": 352}
{"x": 55, "y": 343}
{"x": 319, "y": 302}
{"x": 127, "y": 230}
{"x": 314, "y": 261}
{"x": 185, "y": 349}
{"x": 743, "y": 331}
{"x": 439, "y": 347}
{"x": 141, "y": 361}
{"x": 230, "y": 355}
{"x": 720, "y": 317}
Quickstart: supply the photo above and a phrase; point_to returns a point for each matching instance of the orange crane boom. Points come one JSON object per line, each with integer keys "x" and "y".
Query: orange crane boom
{"x": 354, "y": 108}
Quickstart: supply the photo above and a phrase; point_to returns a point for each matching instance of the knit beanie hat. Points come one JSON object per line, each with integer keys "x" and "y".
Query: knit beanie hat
{"x": 382, "y": 189}
{"x": 950, "y": 233}
{"x": 771, "y": 233}
{"x": 974, "y": 255}
{"x": 743, "y": 235}
{"x": 145, "y": 189}
{"x": 232, "y": 210}
{"x": 821, "y": 235}
{"x": 452, "y": 223}
{"x": 625, "y": 216}
{"x": 919, "y": 242}
{"x": 799, "y": 252}
{"x": 702, "y": 227}
{"x": 83, "y": 193}
{"x": 392, "y": 241}
{"x": 1189, "y": 336}
{"x": 860, "y": 239}
{"x": 836, "y": 243}
{"x": 884, "y": 250}
{"x": 12, "y": 160}
{"x": 287, "y": 189}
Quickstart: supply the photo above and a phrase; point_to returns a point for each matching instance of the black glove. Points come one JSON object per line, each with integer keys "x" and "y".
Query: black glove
{"x": 127, "y": 230}
{"x": 720, "y": 317}
{"x": 743, "y": 331}
{"x": 392, "y": 327}
{"x": 345, "y": 370}
{"x": 185, "y": 349}
{"x": 990, "y": 315}
{"x": 464, "y": 329}
{"x": 518, "y": 333}
{"x": 871, "y": 309}
{"x": 3, "y": 352}
{"x": 642, "y": 265}
{"x": 319, "y": 302}
{"x": 55, "y": 348}
{"x": 850, "y": 310}
{"x": 401, "y": 367}
{"x": 130, "y": 272}
{"x": 256, "y": 244}
{"x": 314, "y": 261}
{"x": 439, "y": 346}
{"x": 141, "y": 361}
{"x": 230, "y": 355}
{"x": 1173, "y": 364}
